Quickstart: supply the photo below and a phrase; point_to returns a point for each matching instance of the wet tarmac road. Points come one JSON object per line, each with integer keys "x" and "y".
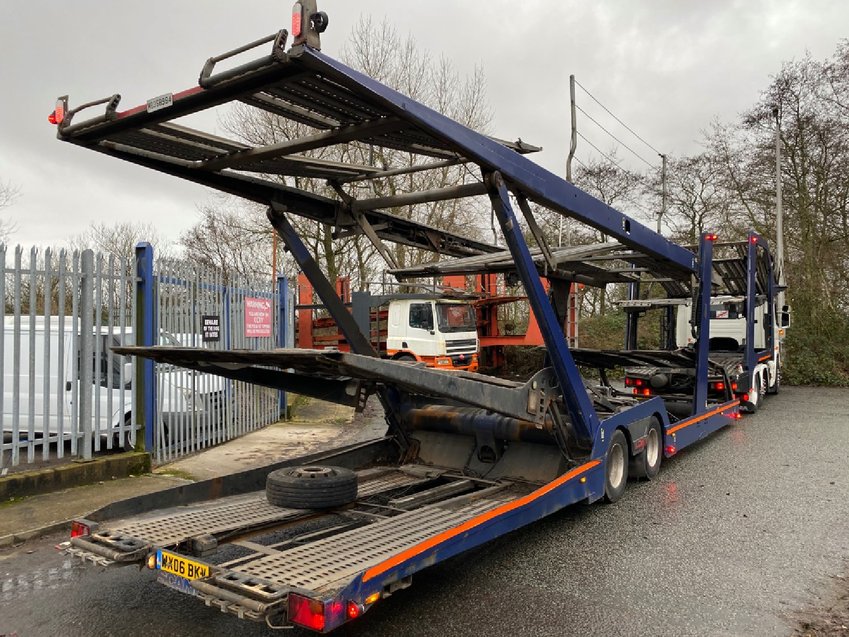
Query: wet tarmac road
{"x": 735, "y": 535}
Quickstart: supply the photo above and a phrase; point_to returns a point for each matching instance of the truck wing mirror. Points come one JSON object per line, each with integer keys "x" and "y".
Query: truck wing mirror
{"x": 785, "y": 316}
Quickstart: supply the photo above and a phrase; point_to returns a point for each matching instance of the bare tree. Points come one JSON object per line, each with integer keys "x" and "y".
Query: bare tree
{"x": 697, "y": 197}
{"x": 120, "y": 239}
{"x": 616, "y": 187}
{"x": 231, "y": 240}
{"x": 8, "y": 194}
{"x": 379, "y": 51}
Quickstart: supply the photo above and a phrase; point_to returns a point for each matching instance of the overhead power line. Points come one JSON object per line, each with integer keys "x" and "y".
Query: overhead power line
{"x": 609, "y": 158}
{"x": 633, "y": 152}
{"x": 609, "y": 112}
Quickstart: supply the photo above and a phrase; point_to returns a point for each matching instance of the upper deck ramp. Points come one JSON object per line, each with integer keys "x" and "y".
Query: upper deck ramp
{"x": 338, "y": 106}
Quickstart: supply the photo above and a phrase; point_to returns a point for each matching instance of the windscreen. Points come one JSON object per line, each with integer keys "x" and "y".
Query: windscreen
{"x": 455, "y": 317}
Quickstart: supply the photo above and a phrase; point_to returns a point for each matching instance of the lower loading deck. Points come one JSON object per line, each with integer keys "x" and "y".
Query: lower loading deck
{"x": 259, "y": 553}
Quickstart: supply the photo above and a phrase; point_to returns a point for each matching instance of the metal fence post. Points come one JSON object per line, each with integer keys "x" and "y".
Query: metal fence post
{"x": 145, "y": 336}
{"x": 282, "y": 328}
{"x": 86, "y": 377}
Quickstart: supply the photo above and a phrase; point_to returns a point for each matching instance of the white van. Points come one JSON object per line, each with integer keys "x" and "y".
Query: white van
{"x": 40, "y": 392}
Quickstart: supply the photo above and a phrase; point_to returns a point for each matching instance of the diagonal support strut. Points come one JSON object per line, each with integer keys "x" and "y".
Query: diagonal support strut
{"x": 582, "y": 414}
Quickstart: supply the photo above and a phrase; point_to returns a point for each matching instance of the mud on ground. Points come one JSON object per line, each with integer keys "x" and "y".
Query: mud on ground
{"x": 828, "y": 616}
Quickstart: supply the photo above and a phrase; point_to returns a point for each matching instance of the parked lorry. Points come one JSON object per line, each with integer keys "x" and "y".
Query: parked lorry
{"x": 318, "y": 541}
{"x": 746, "y": 331}
{"x": 439, "y": 330}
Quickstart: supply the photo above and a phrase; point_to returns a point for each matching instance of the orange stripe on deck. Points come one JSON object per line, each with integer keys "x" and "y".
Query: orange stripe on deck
{"x": 763, "y": 358}
{"x": 693, "y": 421}
{"x": 421, "y": 547}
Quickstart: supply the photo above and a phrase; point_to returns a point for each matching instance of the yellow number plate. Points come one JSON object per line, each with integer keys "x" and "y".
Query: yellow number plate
{"x": 181, "y": 566}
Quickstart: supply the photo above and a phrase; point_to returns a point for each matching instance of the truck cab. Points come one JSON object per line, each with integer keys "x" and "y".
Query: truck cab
{"x": 441, "y": 333}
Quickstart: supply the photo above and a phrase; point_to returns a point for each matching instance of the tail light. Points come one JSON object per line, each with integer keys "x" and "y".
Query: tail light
{"x": 82, "y": 528}
{"x": 58, "y": 114}
{"x": 306, "y": 612}
{"x": 670, "y": 450}
{"x": 354, "y": 610}
{"x": 297, "y": 19}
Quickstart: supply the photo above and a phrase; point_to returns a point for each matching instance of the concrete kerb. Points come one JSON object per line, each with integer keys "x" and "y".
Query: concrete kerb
{"x": 192, "y": 492}
{"x": 19, "y": 538}
{"x": 73, "y": 474}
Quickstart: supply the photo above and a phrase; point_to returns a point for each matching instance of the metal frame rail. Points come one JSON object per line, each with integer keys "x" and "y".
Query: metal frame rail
{"x": 346, "y": 107}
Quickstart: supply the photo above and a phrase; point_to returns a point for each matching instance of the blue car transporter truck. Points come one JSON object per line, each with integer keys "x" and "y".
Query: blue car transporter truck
{"x": 467, "y": 458}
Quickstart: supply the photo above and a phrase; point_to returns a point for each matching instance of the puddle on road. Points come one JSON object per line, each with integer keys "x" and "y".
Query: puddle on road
{"x": 16, "y": 586}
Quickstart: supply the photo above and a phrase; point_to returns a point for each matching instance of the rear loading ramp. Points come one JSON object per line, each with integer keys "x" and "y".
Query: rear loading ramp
{"x": 250, "y": 556}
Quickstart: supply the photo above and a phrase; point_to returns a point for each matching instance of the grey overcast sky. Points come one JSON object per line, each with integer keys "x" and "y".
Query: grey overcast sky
{"x": 665, "y": 67}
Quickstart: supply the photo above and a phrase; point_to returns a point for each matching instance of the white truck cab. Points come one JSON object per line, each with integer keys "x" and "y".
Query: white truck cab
{"x": 728, "y": 334}
{"x": 439, "y": 332}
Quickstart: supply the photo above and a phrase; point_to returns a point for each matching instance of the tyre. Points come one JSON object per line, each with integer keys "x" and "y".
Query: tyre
{"x": 311, "y": 487}
{"x": 646, "y": 464}
{"x": 616, "y": 467}
{"x": 774, "y": 389}
{"x": 124, "y": 441}
{"x": 406, "y": 358}
{"x": 763, "y": 385}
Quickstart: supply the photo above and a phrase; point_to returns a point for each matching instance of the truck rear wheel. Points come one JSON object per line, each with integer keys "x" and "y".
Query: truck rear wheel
{"x": 311, "y": 487}
{"x": 763, "y": 386}
{"x": 646, "y": 464}
{"x": 616, "y": 467}
{"x": 777, "y": 384}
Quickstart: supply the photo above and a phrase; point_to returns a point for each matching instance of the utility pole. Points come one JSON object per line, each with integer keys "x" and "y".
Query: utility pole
{"x": 663, "y": 192}
{"x": 779, "y": 212}
{"x": 573, "y": 145}
{"x": 274, "y": 255}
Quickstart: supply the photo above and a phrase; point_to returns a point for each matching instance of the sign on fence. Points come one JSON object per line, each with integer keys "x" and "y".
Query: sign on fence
{"x": 211, "y": 328}
{"x": 258, "y": 317}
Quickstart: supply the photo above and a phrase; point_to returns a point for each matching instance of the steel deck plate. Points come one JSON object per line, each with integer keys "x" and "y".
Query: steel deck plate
{"x": 234, "y": 513}
{"x": 320, "y": 565}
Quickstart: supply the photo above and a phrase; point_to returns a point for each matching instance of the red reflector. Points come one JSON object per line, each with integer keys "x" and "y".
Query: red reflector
{"x": 733, "y": 386}
{"x": 647, "y": 392}
{"x": 711, "y": 236}
{"x": 78, "y": 529}
{"x": 58, "y": 114}
{"x": 720, "y": 386}
{"x": 753, "y": 239}
{"x": 638, "y": 382}
{"x": 636, "y": 392}
{"x": 736, "y": 415}
{"x": 297, "y": 21}
{"x": 306, "y": 612}
{"x": 746, "y": 397}
{"x": 353, "y": 610}
{"x": 670, "y": 450}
